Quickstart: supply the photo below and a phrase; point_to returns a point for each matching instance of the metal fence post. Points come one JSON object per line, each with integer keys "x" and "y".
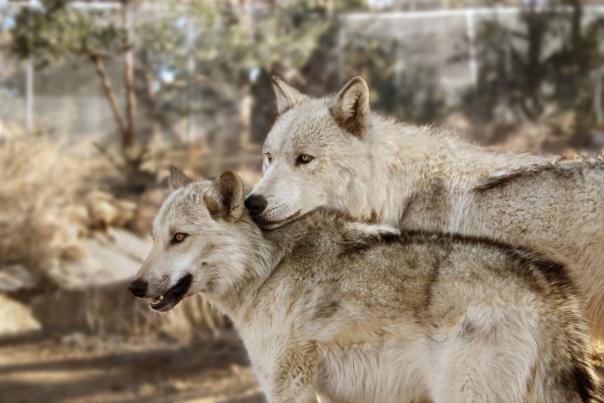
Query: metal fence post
{"x": 29, "y": 90}
{"x": 471, "y": 33}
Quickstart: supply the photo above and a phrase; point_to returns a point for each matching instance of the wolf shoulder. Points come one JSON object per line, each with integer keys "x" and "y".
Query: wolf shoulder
{"x": 411, "y": 270}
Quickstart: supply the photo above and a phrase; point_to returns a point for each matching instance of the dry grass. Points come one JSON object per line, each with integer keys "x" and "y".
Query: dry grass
{"x": 42, "y": 184}
{"x": 39, "y": 179}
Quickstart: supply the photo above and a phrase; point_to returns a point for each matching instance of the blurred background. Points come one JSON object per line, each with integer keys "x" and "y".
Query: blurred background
{"x": 98, "y": 98}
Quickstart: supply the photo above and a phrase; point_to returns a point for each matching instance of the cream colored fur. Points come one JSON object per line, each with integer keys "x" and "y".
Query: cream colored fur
{"x": 376, "y": 169}
{"x": 360, "y": 313}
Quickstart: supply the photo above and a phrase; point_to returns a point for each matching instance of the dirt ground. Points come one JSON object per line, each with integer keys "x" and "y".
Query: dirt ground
{"x": 78, "y": 369}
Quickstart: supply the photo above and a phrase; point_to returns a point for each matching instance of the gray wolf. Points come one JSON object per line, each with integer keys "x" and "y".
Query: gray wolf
{"x": 335, "y": 152}
{"x": 356, "y": 312}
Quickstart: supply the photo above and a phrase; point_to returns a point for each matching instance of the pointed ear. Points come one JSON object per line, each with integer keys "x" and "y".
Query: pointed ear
{"x": 286, "y": 95}
{"x": 351, "y": 106}
{"x": 227, "y": 198}
{"x": 177, "y": 179}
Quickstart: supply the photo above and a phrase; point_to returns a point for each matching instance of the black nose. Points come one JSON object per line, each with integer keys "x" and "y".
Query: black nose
{"x": 138, "y": 288}
{"x": 255, "y": 204}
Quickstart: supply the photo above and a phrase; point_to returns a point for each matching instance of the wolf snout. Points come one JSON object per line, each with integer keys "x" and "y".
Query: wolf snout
{"x": 255, "y": 204}
{"x": 138, "y": 288}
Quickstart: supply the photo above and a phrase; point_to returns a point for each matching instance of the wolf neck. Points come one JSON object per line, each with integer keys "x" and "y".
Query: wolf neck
{"x": 264, "y": 252}
{"x": 408, "y": 163}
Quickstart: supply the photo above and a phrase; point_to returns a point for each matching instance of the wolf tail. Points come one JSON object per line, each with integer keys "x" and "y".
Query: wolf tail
{"x": 586, "y": 383}
{"x": 569, "y": 374}
{"x": 580, "y": 374}
{"x": 576, "y": 383}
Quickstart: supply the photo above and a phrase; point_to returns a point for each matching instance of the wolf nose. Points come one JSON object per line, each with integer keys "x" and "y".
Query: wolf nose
{"x": 255, "y": 204}
{"x": 138, "y": 288}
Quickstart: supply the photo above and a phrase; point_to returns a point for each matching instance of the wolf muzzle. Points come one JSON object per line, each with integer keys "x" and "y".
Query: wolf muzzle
{"x": 138, "y": 288}
{"x": 255, "y": 204}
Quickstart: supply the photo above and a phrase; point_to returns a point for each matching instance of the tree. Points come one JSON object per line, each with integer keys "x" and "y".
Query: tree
{"x": 54, "y": 31}
{"x": 191, "y": 58}
{"x": 231, "y": 43}
{"x": 405, "y": 87}
{"x": 546, "y": 67}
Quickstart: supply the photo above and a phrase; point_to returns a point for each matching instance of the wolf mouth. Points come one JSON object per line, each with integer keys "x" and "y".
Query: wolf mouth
{"x": 268, "y": 225}
{"x": 173, "y": 296}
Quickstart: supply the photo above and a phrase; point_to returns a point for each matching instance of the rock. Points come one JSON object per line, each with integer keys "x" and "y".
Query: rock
{"x": 16, "y": 318}
{"x": 15, "y": 277}
{"x": 126, "y": 211}
{"x": 79, "y": 219}
{"x": 105, "y": 210}
{"x": 107, "y": 259}
{"x": 101, "y": 209}
{"x": 73, "y": 251}
{"x": 147, "y": 389}
{"x": 111, "y": 309}
{"x": 178, "y": 385}
{"x": 93, "y": 294}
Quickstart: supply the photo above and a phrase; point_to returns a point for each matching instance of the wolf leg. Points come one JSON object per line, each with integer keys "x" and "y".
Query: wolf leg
{"x": 487, "y": 358}
{"x": 295, "y": 376}
{"x": 562, "y": 378}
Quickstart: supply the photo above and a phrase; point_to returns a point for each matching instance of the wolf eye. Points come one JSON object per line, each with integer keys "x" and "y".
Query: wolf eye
{"x": 304, "y": 159}
{"x": 178, "y": 238}
{"x": 269, "y": 157}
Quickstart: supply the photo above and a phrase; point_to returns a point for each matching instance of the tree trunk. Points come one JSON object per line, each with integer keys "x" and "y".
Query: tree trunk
{"x": 246, "y": 24}
{"x": 598, "y": 105}
{"x": 150, "y": 98}
{"x": 109, "y": 92}
{"x": 128, "y": 135}
{"x": 245, "y": 117}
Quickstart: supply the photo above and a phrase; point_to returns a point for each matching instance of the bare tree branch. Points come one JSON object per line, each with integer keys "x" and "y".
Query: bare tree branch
{"x": 128, "y": 135}
{"x": 149, "y": 96}
{"x": 103, "y": 150}
{"x": 109, "y": 92}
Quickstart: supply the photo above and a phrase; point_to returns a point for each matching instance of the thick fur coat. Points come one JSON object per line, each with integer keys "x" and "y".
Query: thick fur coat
{"x": 375, "y": 169}
{"x": 356, "y": 312}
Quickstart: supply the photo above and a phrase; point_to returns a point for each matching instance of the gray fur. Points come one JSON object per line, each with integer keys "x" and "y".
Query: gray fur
{"x": 356, "y": 312}
{"x": 430, "y": 179}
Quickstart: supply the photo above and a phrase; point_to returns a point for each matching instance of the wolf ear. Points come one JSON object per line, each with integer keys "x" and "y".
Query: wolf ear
{"x": 286, "y": 95}
{"x": 227, "y": 201}
{"x": 351, "y": 106}
{"x": 177, "y": 179}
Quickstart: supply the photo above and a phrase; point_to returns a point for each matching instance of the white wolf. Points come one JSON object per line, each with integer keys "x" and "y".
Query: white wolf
{"x": 357, "y": 313}
{"x": 335, "y": 152}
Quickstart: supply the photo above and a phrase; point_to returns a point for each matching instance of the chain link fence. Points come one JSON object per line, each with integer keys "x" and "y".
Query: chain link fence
{"x": 419, "y": 62}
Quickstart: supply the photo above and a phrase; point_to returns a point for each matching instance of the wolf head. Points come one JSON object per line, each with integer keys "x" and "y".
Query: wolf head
{"x": 313, "y": 154}
{"x": 201, "y": 237}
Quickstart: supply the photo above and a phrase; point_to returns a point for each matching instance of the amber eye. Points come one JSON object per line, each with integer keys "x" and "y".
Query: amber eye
{"x": 178, "y": 237}
{"x": 304, "y": 159}
{"x": 269, "y": 157}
